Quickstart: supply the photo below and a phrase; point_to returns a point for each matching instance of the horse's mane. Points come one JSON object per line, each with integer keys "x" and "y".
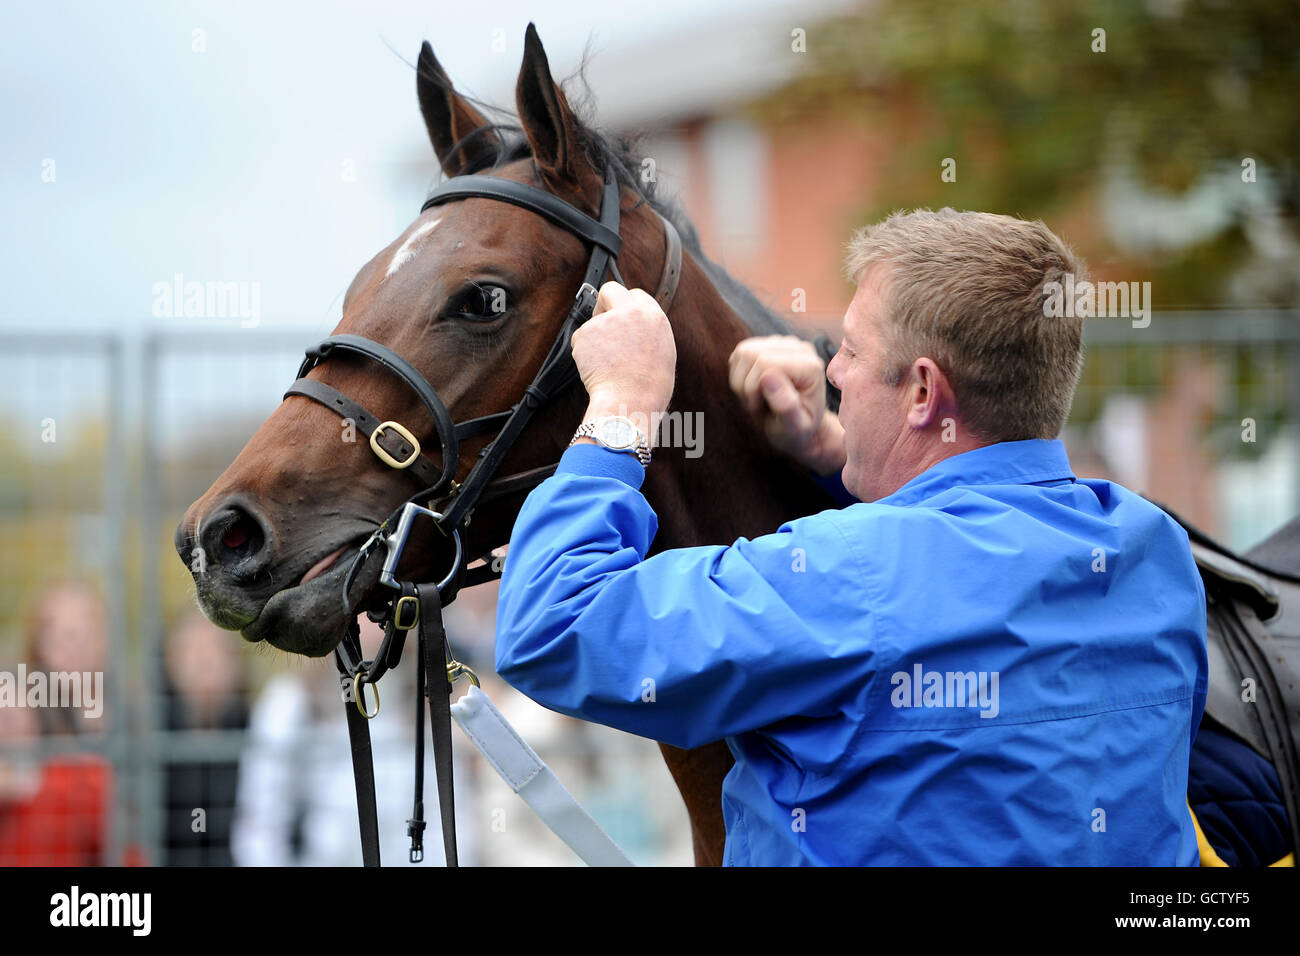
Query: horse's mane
{"x": 621, "y": 153}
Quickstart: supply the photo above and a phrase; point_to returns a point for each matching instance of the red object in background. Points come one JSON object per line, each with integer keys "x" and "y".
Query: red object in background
{"x": 63, "y": 823}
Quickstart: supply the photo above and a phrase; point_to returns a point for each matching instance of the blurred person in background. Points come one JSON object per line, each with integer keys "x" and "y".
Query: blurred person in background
{"x": 52, "y": 811}
{"x": 67, "y": 633}
{"x": 205, "y": 690}
{"x": 296, "y": 803}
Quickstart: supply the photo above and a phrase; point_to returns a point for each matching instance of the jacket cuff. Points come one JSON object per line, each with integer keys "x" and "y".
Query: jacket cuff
{"x": 596, "y": 461}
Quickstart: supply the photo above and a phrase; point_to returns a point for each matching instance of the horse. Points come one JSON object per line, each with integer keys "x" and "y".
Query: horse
{"x": 471, "y": 294}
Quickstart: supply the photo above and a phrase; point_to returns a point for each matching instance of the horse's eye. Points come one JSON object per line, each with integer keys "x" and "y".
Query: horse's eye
{"x": 481, "y": 303}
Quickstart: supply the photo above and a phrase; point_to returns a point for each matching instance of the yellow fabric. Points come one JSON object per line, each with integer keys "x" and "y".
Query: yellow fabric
{"x": 1208, "y": 855}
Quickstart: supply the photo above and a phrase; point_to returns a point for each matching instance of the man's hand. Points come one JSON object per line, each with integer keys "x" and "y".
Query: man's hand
{"x": 781, "y": 380}
{"x": 626, "y": 354}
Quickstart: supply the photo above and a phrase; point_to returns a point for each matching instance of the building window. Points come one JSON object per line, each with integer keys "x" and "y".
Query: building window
{"x": 735, "y": 157}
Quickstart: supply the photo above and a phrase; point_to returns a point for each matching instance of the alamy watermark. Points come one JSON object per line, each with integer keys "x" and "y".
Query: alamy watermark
{"x": 133, "y": 911}
{"x": 84, "y": 689}
{"x": 670, "y": 429}
{"x": 179, "y": 299}
{"x": 1102, "y": 300}
{"x": 922, "y": 688}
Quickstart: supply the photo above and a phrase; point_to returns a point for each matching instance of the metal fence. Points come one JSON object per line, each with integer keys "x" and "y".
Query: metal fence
{"x": 51, "y": 381}
{"x": 172, "y": 412}
{"x": 144, "y": 424}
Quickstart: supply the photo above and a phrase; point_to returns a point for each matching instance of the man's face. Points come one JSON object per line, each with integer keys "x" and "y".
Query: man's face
{"x": 873, "y": 414}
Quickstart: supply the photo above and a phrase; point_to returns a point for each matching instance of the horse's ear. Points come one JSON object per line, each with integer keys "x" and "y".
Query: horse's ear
{"x": 449, "y": 117}
{"x": 548, "y": 122}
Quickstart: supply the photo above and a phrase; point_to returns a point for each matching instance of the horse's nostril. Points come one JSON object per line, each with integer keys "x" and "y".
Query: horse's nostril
{"x": 235, "y": 535}
{"x": 235, "y": 541}
{"x": 242, "y": 540}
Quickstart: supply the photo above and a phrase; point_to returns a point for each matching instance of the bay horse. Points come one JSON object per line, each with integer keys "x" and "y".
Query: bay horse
{"x": 472, "y": 294}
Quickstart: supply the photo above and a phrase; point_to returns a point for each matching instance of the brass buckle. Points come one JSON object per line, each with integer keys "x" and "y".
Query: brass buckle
{"x": 383, "y": 454}
{"x": 415, "y": 612}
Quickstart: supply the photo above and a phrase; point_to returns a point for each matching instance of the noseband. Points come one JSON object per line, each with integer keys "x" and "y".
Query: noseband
{"x": 450, "y": 504}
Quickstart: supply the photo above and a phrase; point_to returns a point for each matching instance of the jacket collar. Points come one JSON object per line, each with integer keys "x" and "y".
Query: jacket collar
{"x": 1009, "y": 462}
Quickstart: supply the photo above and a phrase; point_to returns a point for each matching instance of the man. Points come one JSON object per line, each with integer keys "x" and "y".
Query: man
{"x": 985, "y": 661}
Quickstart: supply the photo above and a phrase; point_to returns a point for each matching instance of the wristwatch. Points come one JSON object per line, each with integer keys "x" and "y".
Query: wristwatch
{"x": 617, "y": 433}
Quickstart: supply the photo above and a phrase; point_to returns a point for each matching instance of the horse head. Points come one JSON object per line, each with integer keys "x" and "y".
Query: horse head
{"x": 472, "y": 295}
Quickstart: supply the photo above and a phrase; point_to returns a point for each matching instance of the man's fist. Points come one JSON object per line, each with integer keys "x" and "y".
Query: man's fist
{"x": 625, "y": 353}
{"x": 781, "y": 380}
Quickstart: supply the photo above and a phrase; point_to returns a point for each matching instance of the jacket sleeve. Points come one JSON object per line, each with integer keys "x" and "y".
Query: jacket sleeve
{"x": 689, "y": 646}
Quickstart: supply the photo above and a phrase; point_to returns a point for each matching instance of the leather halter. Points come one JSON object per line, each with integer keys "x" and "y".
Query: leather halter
{"x": 418, "y": 606}
{"x": 396, "y": 446}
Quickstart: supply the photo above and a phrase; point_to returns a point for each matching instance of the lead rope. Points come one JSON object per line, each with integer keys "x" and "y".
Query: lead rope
{"x": 433, "y": 651}
{"x": 363, "y": 771}
{"x": 434, "y": 682}
{"x": 415, "y": 825}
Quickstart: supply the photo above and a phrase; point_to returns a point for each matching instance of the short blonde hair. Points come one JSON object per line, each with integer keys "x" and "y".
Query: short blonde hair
{"x": 966, "y": 290}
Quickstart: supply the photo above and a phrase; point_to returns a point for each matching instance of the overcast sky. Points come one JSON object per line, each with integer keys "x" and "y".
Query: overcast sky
{"x": 277, "y": 145}
{"x": 232, "y": 164}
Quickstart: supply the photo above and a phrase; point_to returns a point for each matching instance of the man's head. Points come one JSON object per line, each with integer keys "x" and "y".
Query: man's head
{"x": 946, "y": 347}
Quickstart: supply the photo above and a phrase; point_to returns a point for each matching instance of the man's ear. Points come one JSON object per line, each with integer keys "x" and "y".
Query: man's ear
{"x": 929, "y": 393}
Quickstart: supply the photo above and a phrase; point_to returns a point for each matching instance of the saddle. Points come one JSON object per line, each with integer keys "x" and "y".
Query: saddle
{"x": 1253, "y": 643}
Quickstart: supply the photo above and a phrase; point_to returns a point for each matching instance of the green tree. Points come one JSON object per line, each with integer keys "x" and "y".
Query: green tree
{"x": 1038, "y": 108}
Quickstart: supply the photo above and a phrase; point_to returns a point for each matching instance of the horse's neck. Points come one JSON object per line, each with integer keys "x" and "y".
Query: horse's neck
{"x": 738, "y": 484}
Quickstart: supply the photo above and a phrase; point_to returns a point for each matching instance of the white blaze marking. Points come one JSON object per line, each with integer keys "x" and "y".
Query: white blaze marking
{"x": 407, "y": 251}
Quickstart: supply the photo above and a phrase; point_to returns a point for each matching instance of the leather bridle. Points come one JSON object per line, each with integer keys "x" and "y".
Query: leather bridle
{"x": 451, "y": 504}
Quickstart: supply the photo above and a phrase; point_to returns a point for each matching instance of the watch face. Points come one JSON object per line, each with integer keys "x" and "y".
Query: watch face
{"x": 617, "y": 433}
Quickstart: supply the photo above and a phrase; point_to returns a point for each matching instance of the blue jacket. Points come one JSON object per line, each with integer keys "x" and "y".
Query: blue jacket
{"x": 997, "y": 664}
